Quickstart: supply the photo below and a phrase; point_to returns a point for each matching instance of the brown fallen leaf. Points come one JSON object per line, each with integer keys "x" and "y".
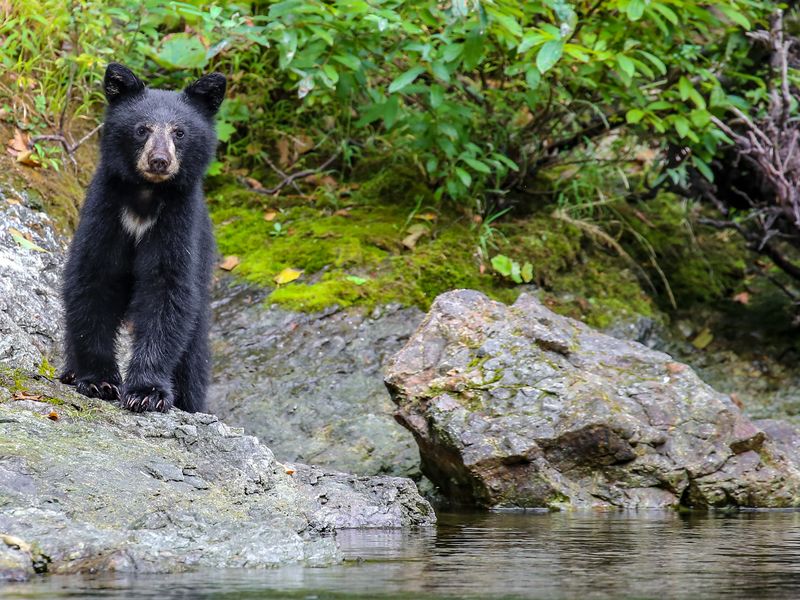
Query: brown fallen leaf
{"x": 253, "y": 183}
{"x": 742, "y": 298}
{"x": 290, "y": 471}
{"x": 342, "y": 212}
{"x": 287, "y": 276}
{"x": 283, "y": 152}
{"x": 53, "y": 416}
{"x": 270, "y": 215}
{"x": 736, "y": 400}
{"x": 26, "y": 395}
{"x": 674, "y": 368}
{"x": 415, "y": 232}
{"x": 427, "y": 216}
{"x": 18, "y": 143}
{"x": 229, "y": 263}
{"x": 302, "y": 144}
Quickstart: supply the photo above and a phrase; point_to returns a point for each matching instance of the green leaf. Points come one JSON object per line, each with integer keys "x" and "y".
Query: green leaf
{"x": 527, "y": 272}
{"x": 502, "y": 264}
{"x": 703, "y": 167}
{"x": 473, "y": 49}
{"x": 478, "y": 165}
{"x": 181, "y": 51}
{"x": 734, "y": 15}
{"x": 405, "y": 79}
{"x": 626, "y": 64}
{"x": 348, "y": 60}
{"x": 356, "y": 279}
{"x": 533, "y": 78}
{"x": 465, "y": 177}
{"x": 634, "y": 115}
{"x": 548, "y": 55}
{"x": 516, "y": 276}
{"x": 685, "y": 87}
{"x": 635, "y": 9}
{"x": 224, "y": 131}
{"x": 25, "y": 243}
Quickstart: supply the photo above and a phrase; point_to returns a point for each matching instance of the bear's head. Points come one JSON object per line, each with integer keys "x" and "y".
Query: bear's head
{"x": 159, "y": 136}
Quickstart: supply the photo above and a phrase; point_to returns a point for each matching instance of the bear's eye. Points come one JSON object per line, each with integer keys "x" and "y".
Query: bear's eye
{"x": 141, "y": 131}
{"x": 179, "y": 133}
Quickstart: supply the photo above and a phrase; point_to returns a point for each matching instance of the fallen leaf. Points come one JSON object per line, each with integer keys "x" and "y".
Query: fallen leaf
{"x": 482, "y": 268}
{"x": 703, "y": 339}
{"x": 302, "y": 144}
{"x": 736, "y": 400}
{"x": 270, "y": 215}
{"x": 25, "y": 395}
{"x": 287, "y": 275}
{"x": 427, "y": 216}
{"x": 283, "y": 152}
{"x": 415, "y": 232}
{"x": 742, "y": 298}
{"x": 29, "y": 159}
{"x": 229, "y": 263}
{"x": 356, "y": 279}
{"x": 290, "y": 471}
{"x": 24, "y": 240}
{"x": 674, "y": 368}
{"x": 53, "y": 416}
{"x": 18, "y": 143}
{"x": 342, "y": 212}
{"x": 253, "y": 183}
{"x": 13, "y": 541}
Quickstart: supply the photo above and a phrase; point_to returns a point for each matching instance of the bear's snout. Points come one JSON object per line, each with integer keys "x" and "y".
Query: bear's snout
{"x": 158, "y": 160}
{"x": 158, "y": 163}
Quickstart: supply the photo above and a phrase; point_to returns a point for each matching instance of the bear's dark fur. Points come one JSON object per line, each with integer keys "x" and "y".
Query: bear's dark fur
{"x": 144, "y": 247}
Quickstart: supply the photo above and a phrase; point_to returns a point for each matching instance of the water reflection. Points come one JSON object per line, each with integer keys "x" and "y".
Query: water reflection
{"x": 518, "y": 555}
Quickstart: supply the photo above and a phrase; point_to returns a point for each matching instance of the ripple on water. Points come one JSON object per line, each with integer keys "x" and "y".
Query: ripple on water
{"x": 509, "y": 555}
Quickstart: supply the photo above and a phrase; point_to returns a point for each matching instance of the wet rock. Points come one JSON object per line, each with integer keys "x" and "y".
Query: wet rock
{"x": 341, "y": 500}
{"x": 31, "y": 257}
{"x": 311, "y": 385}
{"x": 96, "y": 488}
{"x": 518, "y": 406}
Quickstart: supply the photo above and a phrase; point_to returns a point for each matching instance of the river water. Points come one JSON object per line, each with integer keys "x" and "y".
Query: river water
{"x": 638, "y": 555}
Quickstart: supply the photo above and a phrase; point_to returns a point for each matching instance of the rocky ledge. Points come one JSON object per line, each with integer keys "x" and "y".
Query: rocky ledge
{"x": 87, "y": 487}
{"x": 519, "y": 407}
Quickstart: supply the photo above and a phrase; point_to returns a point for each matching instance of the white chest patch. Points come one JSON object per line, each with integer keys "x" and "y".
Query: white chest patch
{"x": 135, "y": 225}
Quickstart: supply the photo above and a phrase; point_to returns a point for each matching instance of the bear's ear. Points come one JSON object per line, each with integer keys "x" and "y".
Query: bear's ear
{"x": 120, "y": 82}
{"x": 207, "y": 93}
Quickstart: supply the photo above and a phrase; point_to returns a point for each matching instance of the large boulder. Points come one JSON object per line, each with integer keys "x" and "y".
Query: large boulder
{"x": 519, "y": 407}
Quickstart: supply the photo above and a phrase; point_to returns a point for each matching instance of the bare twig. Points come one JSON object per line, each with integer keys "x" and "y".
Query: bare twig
{"x": 69, "y": 148}
{"x": 290, "y": 179}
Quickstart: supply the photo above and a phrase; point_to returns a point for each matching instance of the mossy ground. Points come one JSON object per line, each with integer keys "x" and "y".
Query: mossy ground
{"x": 348, "y": 245}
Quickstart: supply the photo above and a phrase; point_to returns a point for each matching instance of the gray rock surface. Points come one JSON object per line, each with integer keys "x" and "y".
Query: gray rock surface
{"x": 29, "y": 304}
{"x": 91, "y": 487}
{"x": 518, "y": 406}
{"x": 310, "y": 386}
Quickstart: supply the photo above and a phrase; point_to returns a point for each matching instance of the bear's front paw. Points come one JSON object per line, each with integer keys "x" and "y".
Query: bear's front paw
{"x": 105, "y": 390}
{"x": 67, "y": 376}
{"x": 146, "y": 398}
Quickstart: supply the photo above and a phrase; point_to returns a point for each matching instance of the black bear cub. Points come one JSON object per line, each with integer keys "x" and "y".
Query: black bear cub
{"x": 144, "y": 248}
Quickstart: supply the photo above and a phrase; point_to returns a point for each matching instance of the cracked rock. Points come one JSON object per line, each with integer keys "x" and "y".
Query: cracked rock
{"x": 515, "y": 406}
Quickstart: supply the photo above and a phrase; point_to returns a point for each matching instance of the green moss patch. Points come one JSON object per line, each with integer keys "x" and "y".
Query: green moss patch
{"x": 350, "y": 252}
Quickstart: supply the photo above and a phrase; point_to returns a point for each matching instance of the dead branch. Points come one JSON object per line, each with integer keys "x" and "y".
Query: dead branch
{"x": 290, "y": 179}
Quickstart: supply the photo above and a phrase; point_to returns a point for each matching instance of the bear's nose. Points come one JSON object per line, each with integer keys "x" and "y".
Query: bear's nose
{"x": 158, "y": 163}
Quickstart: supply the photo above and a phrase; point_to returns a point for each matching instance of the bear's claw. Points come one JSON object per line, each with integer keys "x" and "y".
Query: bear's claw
{"x": 151, "y": 400}
{"x": 104, "y": 390}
